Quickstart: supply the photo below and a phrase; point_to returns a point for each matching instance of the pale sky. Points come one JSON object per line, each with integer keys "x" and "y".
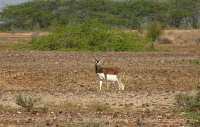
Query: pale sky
{"x": 3, "y": 3}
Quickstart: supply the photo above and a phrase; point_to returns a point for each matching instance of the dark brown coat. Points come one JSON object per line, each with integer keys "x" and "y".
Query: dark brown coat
{"x": 114, "y": 70}
{"x": 107, "y": 70}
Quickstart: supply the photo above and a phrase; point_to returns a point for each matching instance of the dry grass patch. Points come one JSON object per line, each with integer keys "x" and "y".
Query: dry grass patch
{"x": 87, "y": 124}
{"x": 99, "y": 107}
{"x": 195, "y": 62}
{"x": 190, "y": 106}
{"x": 69, "y": 106}
{"x": 92, "y": 124}
{"x": 65, "y": 106}
{"x": 4, "y": 108}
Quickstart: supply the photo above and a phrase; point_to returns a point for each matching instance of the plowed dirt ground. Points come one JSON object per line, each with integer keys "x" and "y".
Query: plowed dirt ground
{"x": 66, "y": 89}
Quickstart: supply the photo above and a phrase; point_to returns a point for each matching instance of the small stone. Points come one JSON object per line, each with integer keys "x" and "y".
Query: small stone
{"x": 18, "y": 112}
{"x": 54, "y": 118}
{"x": 159, "y": 117}
{"x": 162, "y": 61}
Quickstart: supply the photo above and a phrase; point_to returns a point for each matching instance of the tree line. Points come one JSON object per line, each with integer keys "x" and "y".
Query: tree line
{"x": 133, "y": 14}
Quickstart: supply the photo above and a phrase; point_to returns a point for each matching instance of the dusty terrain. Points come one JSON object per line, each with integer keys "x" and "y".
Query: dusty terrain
{"x": 66, "y": 89}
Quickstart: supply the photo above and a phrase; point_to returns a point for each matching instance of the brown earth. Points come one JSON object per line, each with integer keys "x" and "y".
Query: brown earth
{"x": 181, "y": 41}
{"x": 67, "y": 92}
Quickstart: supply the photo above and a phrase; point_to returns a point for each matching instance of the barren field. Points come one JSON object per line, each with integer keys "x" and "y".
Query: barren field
{"x": 66, "y": 91}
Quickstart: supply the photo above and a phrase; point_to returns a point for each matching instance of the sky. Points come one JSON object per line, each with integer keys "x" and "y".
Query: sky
{"x": 4, "y": 3}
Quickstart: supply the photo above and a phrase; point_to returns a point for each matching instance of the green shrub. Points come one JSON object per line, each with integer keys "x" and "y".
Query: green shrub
{"x": 90, "y": 36}
{"x": 154, "y": 30}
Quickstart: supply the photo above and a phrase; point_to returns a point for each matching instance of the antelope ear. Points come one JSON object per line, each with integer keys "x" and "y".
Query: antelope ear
{"x": 96, "y": 60}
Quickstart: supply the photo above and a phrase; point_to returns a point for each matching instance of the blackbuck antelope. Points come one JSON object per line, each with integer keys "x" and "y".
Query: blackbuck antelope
{"x": 108, "y": 74}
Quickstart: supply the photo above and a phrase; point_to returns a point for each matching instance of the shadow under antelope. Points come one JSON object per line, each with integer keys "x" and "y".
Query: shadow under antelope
{"x": 110, "y": 74}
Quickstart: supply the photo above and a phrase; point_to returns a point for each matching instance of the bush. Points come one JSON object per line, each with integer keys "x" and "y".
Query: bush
{"x": 191, "y": 106}
{"x": 25, "y": 101}
{"x": 154, "y": 30}
{"x": 90, "y": 36}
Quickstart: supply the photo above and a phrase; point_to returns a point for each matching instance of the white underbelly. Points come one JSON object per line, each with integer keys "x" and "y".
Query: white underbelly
{"x": 109, "y": 77}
